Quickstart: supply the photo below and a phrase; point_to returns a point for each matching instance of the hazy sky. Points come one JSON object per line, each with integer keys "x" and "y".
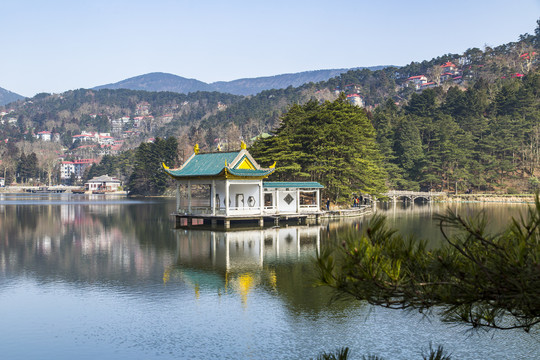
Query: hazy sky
{"x": 58, "y": 45}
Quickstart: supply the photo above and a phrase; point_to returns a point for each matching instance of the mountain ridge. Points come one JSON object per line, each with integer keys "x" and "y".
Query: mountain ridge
{"x": 160, "y": 81}
{"x": 7, "y": 96}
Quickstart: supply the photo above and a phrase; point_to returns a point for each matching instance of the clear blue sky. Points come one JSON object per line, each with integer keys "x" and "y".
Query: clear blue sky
{"x": 58, "y": 45}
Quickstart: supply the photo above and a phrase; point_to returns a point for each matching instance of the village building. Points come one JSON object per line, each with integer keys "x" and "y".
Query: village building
{"x": 44, "y": 135}
{"x": 417, "y": 81}
{"x": 449, "y": 67}
{"x": 355, "y": 100}
{"x": 74, "y": 168}
{"x": 104, "y": 183}
{"x": 91, "y": 136}
{"x": 236, "y": 190}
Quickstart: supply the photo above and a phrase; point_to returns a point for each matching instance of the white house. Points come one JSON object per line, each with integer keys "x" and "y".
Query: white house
{"x": 355, "y": 100}
{"x": 44, "y": 135}
{"x": 418, "y": 81}
{"x": 237, "y": 188}
{"x": 76, "y": 167}
{"x": 103, "y": 183}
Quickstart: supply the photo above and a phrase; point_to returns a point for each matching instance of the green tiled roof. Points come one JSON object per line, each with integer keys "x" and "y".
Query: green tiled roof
{"x": 213, "y": 164}
{"x": 292, "y": 184}
{"x": 249, "y": 172}
{"x": 205, "y": 164}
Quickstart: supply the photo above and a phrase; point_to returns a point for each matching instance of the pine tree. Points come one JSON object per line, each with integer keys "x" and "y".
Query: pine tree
{"x": 333, "y": 143}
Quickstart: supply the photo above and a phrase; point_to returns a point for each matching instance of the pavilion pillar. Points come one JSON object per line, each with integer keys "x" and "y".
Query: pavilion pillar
{"x": 297, "y": 201}
{"x": 261, "y": 197}
{"x": 276, "y": 207}
{"x": 318, "y": 200}
{"x": 213, "y": 197}
{"x": 177, "y": 196}
{"x": 189, "y": 196}
{"x": 226, "y": 197}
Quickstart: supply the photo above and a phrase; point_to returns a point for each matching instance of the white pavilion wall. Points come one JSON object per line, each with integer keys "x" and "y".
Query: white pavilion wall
{"x": 282, "y": 204}
{"x": 246, "y": 190}
{"x": 236, "y": 188}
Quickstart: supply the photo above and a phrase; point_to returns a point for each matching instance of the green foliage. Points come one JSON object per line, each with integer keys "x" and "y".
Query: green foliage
{"x": 340, "y": 354}
{"x": 148, "y": 177}
{"x": 477, "y": 138}
{"x": 27, "y": 168}
{"x": 333, "y": 143}
{"x": 120, "y": 166}
{"x": 480, "y": 279}
{"x": 436, "y": 354}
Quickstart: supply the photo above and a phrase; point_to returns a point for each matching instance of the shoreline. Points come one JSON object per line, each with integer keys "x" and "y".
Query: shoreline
{"x": 487, "y": 198}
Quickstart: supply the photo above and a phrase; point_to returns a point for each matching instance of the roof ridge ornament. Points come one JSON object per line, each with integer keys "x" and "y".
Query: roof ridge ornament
{"x": 196, "y": 149}
{"x": 243, "y": 145}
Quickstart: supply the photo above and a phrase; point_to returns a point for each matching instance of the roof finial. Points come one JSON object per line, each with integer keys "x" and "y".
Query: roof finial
{"x": 243, "y": 145}
{"x": 196, "y": 149}
{"x": 219, "y": 147}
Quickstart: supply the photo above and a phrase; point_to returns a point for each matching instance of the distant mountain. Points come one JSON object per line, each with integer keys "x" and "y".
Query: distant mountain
{"x": 252, "y": 86}
{"x": 159, "y": 81}
{"x": 168, "y": 82}
{"x": 7, "y": 96}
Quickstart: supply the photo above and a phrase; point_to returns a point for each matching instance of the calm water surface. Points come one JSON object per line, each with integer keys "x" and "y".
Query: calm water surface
{"x": 87, "y": 278}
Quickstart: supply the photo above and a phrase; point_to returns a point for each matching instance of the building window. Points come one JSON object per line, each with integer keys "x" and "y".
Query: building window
{"x": 288, "y": 199}
{"x": 251, "y": 201}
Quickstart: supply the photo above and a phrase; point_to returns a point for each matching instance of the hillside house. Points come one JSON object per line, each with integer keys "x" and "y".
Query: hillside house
{"x": 427, "y": 85}
{"x": 44, "y": 136}
{"x": 355, "y": 100}
{"x": 91, "y": 136}
{"x": 417, "y": 81}
{"x": 449, "y": 67}
{"x": 142, "y": 108}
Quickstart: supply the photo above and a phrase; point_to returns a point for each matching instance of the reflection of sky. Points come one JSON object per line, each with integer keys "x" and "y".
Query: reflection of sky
{"x": 92, "y": 283}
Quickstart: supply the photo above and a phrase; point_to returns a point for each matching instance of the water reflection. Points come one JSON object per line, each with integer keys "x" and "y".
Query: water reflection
{"x": 243, "y": 260}
{"x": 83, "y": 240}
{"x": 92, "y": 278}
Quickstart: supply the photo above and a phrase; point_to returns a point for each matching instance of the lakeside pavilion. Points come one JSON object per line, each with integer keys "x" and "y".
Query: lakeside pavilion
{"x": 235, "y": 189}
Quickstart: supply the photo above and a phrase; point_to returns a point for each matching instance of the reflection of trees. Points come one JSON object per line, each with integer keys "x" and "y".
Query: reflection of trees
{"x": 85, "y": 241}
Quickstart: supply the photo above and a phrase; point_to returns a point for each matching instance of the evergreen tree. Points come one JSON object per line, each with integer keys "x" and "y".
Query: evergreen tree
{"x": 484, "y": 280}
{"x": 333, "y": 143}
{"x": 148, "y": 177}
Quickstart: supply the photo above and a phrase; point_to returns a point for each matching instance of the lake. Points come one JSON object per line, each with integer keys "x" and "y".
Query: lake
{"x": 89, "y": 277}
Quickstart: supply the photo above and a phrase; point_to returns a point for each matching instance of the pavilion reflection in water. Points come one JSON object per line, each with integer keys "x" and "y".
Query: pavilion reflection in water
{"x": 240, "y": 260}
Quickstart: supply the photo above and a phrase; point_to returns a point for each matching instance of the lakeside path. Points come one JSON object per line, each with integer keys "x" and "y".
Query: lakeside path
{"x": 66, "y": 189}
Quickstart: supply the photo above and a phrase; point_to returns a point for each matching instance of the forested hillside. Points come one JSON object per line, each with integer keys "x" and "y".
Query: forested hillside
{"x": 71, "y": 112}
{"x": 484, "y": 138}
{"x": 459, "y": 121}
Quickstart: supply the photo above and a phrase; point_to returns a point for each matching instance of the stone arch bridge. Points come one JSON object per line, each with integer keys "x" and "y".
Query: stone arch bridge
{"x": 394, "y": 195}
